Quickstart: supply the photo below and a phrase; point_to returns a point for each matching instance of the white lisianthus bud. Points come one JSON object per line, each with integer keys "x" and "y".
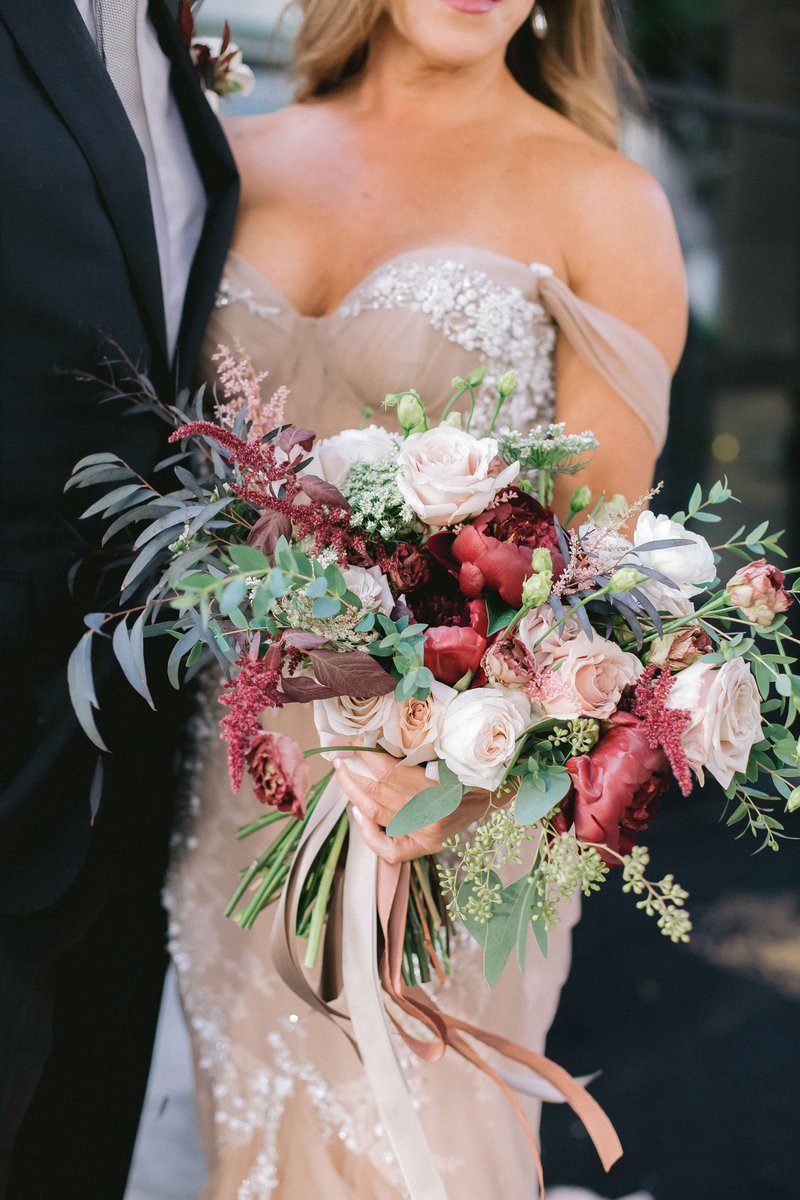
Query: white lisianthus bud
{"x": 536, "y": 588}
{"x": 411, "y": 413}
{"x": 453, "y": 419}
{"x": 581, "y": 498}
{"x": 793, "y": 803}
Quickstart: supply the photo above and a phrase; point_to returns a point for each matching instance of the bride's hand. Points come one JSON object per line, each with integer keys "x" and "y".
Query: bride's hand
{"x": 389, "y": 787}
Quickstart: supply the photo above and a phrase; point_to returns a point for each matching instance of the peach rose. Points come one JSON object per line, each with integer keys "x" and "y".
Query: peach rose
{"x": 412, "y": 727}
{"x": 592, "y": 675}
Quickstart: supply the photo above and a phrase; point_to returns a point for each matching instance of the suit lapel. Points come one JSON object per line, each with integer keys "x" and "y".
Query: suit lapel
{"x": 54, "y": 40}
{"x": 218, "y": 172}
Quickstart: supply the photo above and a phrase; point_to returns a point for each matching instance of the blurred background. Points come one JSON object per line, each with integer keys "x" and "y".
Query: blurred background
{"x": 700, "y": 1046}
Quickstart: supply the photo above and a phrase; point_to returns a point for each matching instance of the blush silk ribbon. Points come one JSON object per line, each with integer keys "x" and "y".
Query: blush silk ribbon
{"x": 372, "y": 885}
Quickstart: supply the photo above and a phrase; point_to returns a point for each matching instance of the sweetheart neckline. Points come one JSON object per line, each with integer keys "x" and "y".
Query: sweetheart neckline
{"x": 439, "y": 249}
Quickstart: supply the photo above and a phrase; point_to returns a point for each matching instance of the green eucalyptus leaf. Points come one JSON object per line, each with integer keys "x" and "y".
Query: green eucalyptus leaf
{"x": 538, "y": 795}
{"x": 248, "y": 558}
{"x": 326, "y": 606}
{"x": 428, "y": 806}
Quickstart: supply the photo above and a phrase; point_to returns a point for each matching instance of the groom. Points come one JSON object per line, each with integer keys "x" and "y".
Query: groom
{"x": 117, "y": 199}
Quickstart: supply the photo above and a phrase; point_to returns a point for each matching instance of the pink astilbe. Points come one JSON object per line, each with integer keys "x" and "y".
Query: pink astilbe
{"x": 664, "y": 726}
{"x": 241, "y": 388}
{"x": 253, "y": 690}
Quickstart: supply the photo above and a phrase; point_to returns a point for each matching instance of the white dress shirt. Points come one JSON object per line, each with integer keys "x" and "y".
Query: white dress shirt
{"x": 176, "y": 189}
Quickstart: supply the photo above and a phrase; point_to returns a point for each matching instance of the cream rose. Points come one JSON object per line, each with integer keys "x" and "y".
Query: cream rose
{"x": 725, "y": 708}
{"x": 591, "y": 674}
{"x": 446, "y": 475}
{"x": 688, "y": 566}
{"x": 334, "y": 457}
{"x": 372, "y": 588}
{"x": 479, "y": 733}
{"x": 343, "y": 718}
{"x": 413, "y": 727}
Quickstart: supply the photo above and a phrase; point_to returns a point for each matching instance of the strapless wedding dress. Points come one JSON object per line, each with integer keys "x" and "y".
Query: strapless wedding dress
{"x": 283, "y": 1107}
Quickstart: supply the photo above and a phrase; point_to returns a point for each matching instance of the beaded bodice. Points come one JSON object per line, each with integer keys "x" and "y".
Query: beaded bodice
{"x": 415, "y": 321}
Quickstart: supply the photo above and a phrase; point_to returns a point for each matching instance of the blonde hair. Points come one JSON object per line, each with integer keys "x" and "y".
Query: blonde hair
{"x": 577, "y": 69}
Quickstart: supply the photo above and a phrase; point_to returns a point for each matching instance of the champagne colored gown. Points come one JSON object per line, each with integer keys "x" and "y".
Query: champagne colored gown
{"x": 284, "y": 1110}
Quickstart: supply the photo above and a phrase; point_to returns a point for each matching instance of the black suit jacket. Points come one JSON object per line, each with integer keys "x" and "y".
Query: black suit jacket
{"x": 78, "y": 265}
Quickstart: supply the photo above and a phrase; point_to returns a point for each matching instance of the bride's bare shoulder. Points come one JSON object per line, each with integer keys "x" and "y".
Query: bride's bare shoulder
{"x": 264, "y": 139}
{"x": 618, "y": 234}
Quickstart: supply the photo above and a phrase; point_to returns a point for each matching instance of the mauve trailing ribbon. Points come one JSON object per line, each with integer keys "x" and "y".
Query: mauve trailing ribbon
{"x": 369, "y": 885}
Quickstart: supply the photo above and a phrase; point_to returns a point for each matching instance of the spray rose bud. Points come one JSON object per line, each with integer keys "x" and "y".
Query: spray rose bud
{"x": 453, "y": 419}
{"x": 679, "y": 650}
{"x": 758, "y": 592}
{"x": 536, "y": 588}
{"x": 626, "y": 578}
{"x": 411, "y": 412}
{"x": 507, "y": 383}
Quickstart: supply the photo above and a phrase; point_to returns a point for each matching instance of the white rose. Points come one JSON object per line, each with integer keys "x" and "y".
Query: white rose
{"x": 447, "y": 475}
{"x": 372, "y": 588}
{"x": 343, "y": 718}
{"x": 688, "y": 566}
{"x": 591, "y": 675}
{"x": 479, "y": 733}
{"x": 725, "y": 708}
{"x": 334, "y": 457}
{"x": 413, "y": 727}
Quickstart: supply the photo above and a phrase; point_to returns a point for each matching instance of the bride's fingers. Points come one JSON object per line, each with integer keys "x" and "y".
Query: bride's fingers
{"x": 391, "y": 850}
{"x": 362, "y": 793}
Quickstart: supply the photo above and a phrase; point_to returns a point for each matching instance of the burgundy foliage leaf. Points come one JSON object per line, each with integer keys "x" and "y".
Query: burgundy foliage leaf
{"x": 268, "y": 529}
{"x": 293, "y": 436}
{"x": 304, "y": 641}
{"x": 300, "y": 689}
{"x": 323, "y": 492}
{"x": 351, "y": 674}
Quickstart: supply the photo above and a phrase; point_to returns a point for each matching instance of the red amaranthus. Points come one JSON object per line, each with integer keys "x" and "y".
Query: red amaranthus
{"x": 663, "y": 726}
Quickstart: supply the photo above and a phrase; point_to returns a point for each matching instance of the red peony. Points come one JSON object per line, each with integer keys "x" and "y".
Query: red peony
{"x": 494, "y": 552}
{"x": 453, "y": 650}
{"x": 279, "y": 772}
{"x": 617, "y": 788}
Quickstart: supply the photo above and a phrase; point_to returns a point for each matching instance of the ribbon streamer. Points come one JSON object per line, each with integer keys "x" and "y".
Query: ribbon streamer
{"x": 371, "y": 885}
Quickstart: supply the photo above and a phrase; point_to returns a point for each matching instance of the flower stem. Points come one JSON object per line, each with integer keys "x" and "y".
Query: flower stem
{"x": 323, "y": 894}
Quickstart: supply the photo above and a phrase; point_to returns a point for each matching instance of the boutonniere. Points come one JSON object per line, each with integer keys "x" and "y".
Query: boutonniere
{"x": 218, "y": 61}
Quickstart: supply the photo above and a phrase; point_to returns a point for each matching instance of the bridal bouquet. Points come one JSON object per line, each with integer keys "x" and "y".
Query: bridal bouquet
{"x": 418, "y": 590}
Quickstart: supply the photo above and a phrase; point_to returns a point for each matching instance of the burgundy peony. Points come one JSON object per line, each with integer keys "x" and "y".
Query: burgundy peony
{"x": 617, "y": 788}
{"x": 453, "y": 650}
{"x": 279, "y": 772}
{"x": 494, "y": 552}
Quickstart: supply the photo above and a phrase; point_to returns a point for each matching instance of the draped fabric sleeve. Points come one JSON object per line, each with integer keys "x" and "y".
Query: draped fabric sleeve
{"x": 623, "y": 357}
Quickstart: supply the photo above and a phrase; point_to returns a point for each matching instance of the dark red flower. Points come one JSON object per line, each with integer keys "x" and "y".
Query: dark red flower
{"x": 279, "y": 773}
{"x": 453, "y": 650}
{"x": 617, "y": 788}
{"x": 409, "y": 569}
{"x": 494, "y": 552}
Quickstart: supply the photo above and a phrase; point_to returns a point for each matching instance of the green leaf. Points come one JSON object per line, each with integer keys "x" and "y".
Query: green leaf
{"x": 248, "y": 558}
{"x": 536, "y": 796}
{"x": 783, "y": 685}
{"x": 500, "y": 615}
{"x": 318, "y": 588}
{"x": 232, "y": 596}
{"x": 540, "y": 933}
{"x": 696, "y": 499}
{"x": 430, "y": 805}
{"x": 366, "y": 623}
{"x": 502, "y": 933}
{"x": 326, "y": 606}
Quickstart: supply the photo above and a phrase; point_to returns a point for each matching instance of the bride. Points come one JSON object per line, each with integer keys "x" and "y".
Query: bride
{"x": 444, "y": 193}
